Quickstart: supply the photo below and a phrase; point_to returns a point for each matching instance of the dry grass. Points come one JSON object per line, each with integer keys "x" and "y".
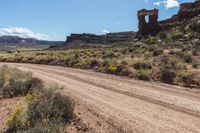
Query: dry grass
{"x": 144, "y": 60}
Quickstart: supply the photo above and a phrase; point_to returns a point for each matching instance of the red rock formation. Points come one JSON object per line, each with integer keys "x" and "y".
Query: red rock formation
{"x": 152, "y": 25}
{"x": 187, "y": 11}
{"x": 100, "y": 39}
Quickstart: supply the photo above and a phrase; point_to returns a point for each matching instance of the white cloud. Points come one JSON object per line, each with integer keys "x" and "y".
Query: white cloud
{"x": 22, "y": 32}
{"x": 158, "y": 3}
{"x": 105, "y": 31}
{"x": 168, "y": 3}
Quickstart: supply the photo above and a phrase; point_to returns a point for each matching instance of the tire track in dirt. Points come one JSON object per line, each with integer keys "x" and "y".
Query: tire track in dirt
{"x": 141, "y": 97}
{"x": 128, "y": 108}
{"x": 166, "y": 88}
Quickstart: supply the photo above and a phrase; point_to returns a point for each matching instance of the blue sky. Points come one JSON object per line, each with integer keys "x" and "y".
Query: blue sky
{"x": 55, "y": 19}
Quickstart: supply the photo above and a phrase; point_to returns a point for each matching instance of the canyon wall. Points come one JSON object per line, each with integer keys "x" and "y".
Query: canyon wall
{"x": 100, "y": 39}
{"x": 186, "y": 11}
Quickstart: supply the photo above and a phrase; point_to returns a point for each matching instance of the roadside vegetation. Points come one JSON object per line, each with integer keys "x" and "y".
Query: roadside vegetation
{"x": 167, "y": 64}
{"x": 171, "y": 57}
{"x": 43, "y": 108}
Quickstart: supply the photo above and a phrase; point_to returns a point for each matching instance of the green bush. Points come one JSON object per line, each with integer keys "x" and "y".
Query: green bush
{"x": 14, "y": 82}
{"x": 110, "y": 54}
{"x": 50, "y": 106}
{"x": 187, "y": 79}
{"x": 48, "y": 111}
{"x": 111, "y": 69}
{"x": 167, "y": 75}
{"x": 123, "y": 70}
{"x": 94, "y": 63}
{"x": 142, "y": 64}
{"x": 143, "y": 75}
{"x": 20, "y": 88}
{"x": 152, "y": 40}
{"x": 195, "y": 64}
{"x": 157, "y": 52}
{"x": 174, "y": 63}
{"x": 163, "y": 35}
{"x": 44, "y": 110}
{"x": 176, "y": 35}
{"x": 188, "y": 58}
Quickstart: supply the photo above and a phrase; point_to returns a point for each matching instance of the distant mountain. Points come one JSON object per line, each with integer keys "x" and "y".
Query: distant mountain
{"x": 16, "y": 40}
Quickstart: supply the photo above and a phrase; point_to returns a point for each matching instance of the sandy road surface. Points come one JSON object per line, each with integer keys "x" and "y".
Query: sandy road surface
{"x": 139, "y": 106}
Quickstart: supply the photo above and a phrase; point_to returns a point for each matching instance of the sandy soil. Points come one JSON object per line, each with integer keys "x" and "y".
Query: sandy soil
{"x": 135, "y": 106}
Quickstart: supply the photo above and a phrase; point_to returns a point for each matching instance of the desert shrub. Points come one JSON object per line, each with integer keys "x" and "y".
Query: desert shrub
{"x": 47, "y": 111}
{"x": 195, "y": 64}
{"x": 50, "y": 106}
{"x": 111, "y": 69}
{"x": 168, "y": 39}
{"x": 71, "y": 61}
{"x": 157, "y": 52}
{"x": 122, "y": 70}
{"x": 143, "y": 75}
{"x": 106, "y": 63}
{"x": 67, "y": 61}
{"x": 18, "y": 59}
{"x": 124, "y": 51}
{"x": 124, "y": 62}
{"x": 195, "y": 26}
{"x": 163, "y": 35}
{"x": 110, "y": 54}
{"x": 126, "y": 72}
{"x": 20, "y": 88}
{"x": 94, "y": 63}
{"x": 195, "y": 52}
{"x": 176, "y": 35}
{"x": 29, "y": 59}
{"x": 130, "y": 50}
{"x": 174, "y": 63}
{"x": 142, "y": 64}
{"x": 151, "y": 48}
{"x": 9, "y": 52}
{"x": 17, "y": 83}
{"x": 187, "y": 79}
{"x": 167, "y": 75}
{"x": 177, "y": 52}
{"x": 41, "y": 53}
{"x": 188, "y": 58}
{"x": 44, "y": 110}
{"x": 180, "y": 66}
{"x": 152, "y": 40}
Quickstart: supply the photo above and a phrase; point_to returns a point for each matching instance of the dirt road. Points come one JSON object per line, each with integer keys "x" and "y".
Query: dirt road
{"x": 138, "y": 106}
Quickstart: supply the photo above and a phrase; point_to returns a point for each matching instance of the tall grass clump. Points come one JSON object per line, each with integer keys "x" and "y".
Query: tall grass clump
{"x": 47, "y": 111}
{"x": 14, "y": 82}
